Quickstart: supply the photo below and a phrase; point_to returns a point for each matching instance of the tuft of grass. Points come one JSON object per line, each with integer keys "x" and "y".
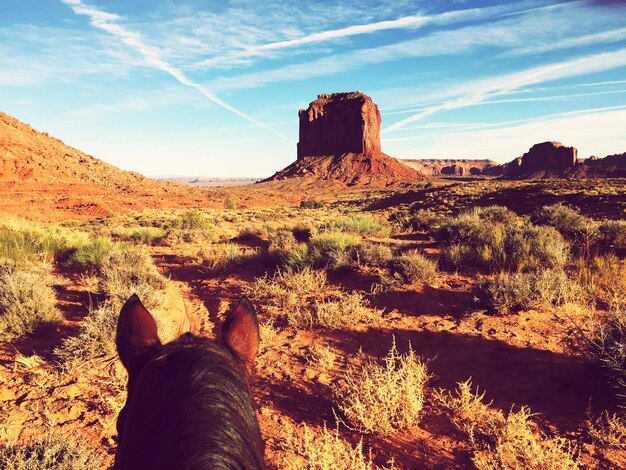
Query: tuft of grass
{"x": 124, "y": 273}
{"x": 343, "y": 312}
{"x": 27, "y": 299}
{"x": 502, "y": 443}
{"x": 383, "y": 398}
{"x": 498, "y": 240}
{"x": 522, "y": 291}
{"x": 95, "y": 340}
{"x": 21, "y": 241}
{"x": 91, "y": 254}
{"x": 321, "y": 356}
{"x": 412, "y": 266}
{"x": 333, "y": 249}
{"x": 307, "y": 300}
{"x": 322, "y": 450}
{"x": 608, "y": 429}
{"x": 50, "y": 453}
{"x": 362, "y": 224}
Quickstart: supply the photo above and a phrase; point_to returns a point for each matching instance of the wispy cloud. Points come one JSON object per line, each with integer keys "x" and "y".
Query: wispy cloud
{"x": 109, "y": 23}
{"x": 604, "y": 37}
{"x": 483, "y": 90}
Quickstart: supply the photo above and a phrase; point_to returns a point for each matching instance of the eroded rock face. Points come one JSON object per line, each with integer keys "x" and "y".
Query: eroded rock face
{"x": 338, "y": 123}
{"x": 548, "y": 156}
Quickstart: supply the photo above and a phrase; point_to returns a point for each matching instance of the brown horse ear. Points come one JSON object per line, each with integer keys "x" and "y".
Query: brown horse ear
{"x": 240, "y": 333}
{"x": 136, "y": 332}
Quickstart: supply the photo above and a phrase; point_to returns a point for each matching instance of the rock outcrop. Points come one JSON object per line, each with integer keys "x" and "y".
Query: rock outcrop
{"x": 340, "y": 140}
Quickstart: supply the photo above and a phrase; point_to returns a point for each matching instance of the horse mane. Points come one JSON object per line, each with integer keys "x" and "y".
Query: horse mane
{"x": 189, "y": 407}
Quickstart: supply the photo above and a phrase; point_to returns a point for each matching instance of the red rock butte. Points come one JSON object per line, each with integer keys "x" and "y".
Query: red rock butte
{"x": 337, "y": 123}
{"x": 340, "y": 140}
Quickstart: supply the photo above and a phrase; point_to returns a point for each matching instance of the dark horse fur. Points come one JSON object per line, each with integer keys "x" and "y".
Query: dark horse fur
{"x": 189, "y": 404}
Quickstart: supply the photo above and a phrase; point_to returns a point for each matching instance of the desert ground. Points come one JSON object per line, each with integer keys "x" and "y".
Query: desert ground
{"x": 440, "y": 324}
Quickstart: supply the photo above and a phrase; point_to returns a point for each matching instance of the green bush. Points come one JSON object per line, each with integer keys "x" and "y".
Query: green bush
{"x": 581, "y": 231}
{"x": 50, "y": 453}
{"x": 522, "y": 291}
{"x": 27, "y": 300}
{"x": 412, "y": 267}
{"x": 424, "y": 220}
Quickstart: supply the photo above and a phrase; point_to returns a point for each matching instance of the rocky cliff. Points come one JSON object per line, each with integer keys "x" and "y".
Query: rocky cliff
{"x": 340, "y": 141}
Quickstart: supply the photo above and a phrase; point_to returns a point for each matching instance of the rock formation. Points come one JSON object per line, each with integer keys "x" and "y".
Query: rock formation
{"x": 340, "y": 140}
{"x": 339, "y": 123}
{"x": 459, "y": 167}
{"x": 543, "y": 160}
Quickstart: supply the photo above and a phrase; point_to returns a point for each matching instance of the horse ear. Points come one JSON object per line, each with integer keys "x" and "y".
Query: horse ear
{"x": 240, "y": 333}
{"x": 136, "y": 331}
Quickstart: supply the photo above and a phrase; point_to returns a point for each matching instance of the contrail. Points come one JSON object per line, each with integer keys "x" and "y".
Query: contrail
{"x": 107, "y": 22}
{"x": 505, "y": 84}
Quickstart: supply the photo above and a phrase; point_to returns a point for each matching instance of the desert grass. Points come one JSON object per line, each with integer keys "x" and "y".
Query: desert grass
{"x": 412, "y": 266}
{"x": 27, "y": 299}
{"x": 383, "y": 398}
{"x": 54, "y": 452}
{"x": 95, "y": 340}
{"x": 220, "y": 257}
{"x": 362, "y": 224}
{"x": 502, "y": 442}
{"x": 307, "y": 300}
{"x": 322, "y": 450}
{"x": 608, "y": 429}
{"x": 321, "y": 355}
{"x": 124, "y": 273}
{"x": 508, "y": 292}
{"x": 497, "y": 239}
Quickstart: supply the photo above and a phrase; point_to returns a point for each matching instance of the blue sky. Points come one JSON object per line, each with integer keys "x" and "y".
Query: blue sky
{"x": 213, "y": 88}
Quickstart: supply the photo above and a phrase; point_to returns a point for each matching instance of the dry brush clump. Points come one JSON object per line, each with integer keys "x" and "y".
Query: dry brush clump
{"x": 124, "y": 273}
{"x": 307, "y": 300}
{"x": 50, "y": 453}
{"x": 383, "y": 398}
{"x": 27, "y": 299}
{"x": 521, "y": 291}
{"x": 306, "y": 449}
{"x": 608, "y": 429}
{"x": 502, "y": 442}
{"x": 412, "y": 266}
{"x": 496, "y": 238}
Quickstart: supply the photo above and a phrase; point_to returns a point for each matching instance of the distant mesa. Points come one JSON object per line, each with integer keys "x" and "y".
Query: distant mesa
{"x": 340, "y": 140}
{"x": 459, "y": 167}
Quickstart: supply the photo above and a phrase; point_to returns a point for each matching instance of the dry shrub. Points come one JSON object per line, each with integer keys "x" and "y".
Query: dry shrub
{"x": 608, "y": 429}
{"x": 27, "y": 299}
{"x": 321, "y": 356}
{"x": 605, "y": 276}
{"x": 497, "y": 239}
{"x": 50, "y": 453}
{"x": 344, "y": 311}
{"x": 502, "y": 443}
{"x": 363, "y": 224}
{"x": 522, "y": 291}
{"x": 95, "y": 340}
{"x": 413, "y": 266}
{"x": 323, "y": 450}
{"x": 124, "y": 273}
{"x": 608, "y": 341}
{"x": 307, "y": 300}
{"x": 381, "y": 399}
{"x": 222, "y": 256}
